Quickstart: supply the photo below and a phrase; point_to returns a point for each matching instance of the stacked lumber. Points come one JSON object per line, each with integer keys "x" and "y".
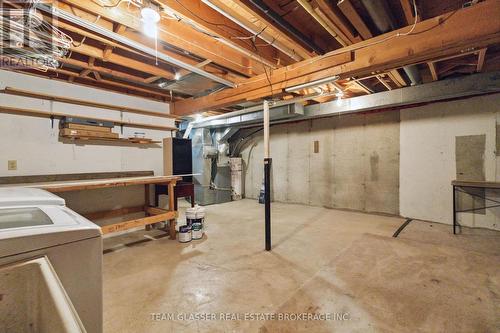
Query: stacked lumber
{"x": 77, "y": 128}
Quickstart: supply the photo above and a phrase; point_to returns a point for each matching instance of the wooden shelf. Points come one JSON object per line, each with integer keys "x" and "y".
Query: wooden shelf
{"x": 135, "y": 141}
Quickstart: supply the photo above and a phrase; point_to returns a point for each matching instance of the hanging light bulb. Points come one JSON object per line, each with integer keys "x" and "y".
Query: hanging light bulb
{"x": 150, "y": 30}
{"x": 150, "y": 17}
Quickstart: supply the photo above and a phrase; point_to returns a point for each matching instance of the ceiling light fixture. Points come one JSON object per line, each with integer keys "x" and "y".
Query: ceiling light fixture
{"x": 150, "y": 16}
{"x": 312, "y": 83}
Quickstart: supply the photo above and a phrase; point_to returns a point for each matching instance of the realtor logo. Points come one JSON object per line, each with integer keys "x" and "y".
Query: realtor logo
{"x": 29, "y": 37}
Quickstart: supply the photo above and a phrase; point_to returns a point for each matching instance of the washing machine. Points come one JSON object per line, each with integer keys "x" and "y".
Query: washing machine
{"x": 35, "y": 224}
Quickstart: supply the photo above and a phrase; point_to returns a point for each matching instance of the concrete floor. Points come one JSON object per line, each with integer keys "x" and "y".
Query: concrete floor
{"x": 323, "y": 261}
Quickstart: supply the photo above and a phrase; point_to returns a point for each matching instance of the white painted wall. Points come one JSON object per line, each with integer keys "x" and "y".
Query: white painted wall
{"x": 427, "y": 162}
{"x": 37, "y": 148}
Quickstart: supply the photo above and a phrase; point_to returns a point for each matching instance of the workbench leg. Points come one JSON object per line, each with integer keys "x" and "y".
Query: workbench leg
{"x": 146, "y": 204}
{"x": 171, "y": 207}
{"x": 454, "y": 212}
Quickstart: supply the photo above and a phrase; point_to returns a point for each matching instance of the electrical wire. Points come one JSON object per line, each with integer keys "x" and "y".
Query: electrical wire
{"x": 349, "y": 49}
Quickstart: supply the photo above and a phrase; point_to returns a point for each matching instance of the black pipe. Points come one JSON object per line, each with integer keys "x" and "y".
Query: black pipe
{"x": 286, "y": 26}
{"x": 267, "y": 198}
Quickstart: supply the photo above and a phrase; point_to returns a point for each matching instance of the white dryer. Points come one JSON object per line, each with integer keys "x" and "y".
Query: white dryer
{"x": 35, "y": 223}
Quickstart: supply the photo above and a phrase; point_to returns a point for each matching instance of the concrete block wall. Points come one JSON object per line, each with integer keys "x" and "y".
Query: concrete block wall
{"x": 429, "y": 161}
{"x": 356, "y": 167}
{"x": 396, "y": 162}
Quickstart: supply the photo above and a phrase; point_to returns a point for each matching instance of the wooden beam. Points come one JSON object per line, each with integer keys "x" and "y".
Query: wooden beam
{"x": 181, "y": 73}
{"x": 396, "y": 78}
{"x": 480, "y": 59}
{"x": 258, "y": 22}
{"x": 103, "y": 70}
{"x": 121, "y": 226}
{"x": 433, "y": 38}
{"x": 119, "y": 29}
{"x": 339, "y": 23}
{"x": 145, "y": 90}
{"x": 123, "y": 61}
{"x": 318, "y": 15}
{"x": 385, "y": 84}
{"x": 352, "y": 15}
{"x": 434, "y": 73}
{"x": 174, "y": 33}
{"x": 408, "y": 11}
{"x": 197, "y": 13}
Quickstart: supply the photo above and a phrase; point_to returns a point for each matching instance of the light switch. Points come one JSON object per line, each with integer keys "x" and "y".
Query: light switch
{"x": 12, "y": 165}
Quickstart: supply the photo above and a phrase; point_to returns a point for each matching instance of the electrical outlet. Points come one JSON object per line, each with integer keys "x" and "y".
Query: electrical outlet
{"x": 12, "y": 165}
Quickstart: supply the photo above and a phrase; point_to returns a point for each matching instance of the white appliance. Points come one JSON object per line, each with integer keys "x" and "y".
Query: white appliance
{"x": 34, "y": 224}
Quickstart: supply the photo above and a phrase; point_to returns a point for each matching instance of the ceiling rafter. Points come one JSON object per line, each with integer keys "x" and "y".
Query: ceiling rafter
{"x": 175, "y": 33}
{"x": 426, "y": 43}
{"x": 197, "y": 13}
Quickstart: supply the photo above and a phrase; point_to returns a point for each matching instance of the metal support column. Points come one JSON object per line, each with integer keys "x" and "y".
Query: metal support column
{"x": 267, "y": 193}
{"x": 454, "y": 211}
{"x": 267, "y": 177}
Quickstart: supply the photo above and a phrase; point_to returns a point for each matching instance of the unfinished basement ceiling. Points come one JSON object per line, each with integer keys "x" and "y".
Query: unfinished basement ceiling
{"x": 204, "y": 46}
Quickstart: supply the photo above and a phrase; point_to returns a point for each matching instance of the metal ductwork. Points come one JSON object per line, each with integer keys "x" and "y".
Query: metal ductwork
{"x": 472, "y": 85}
{"x": 380, "y": 14}
{"x": 413, "y": 74}
{"x": 383, "y": 20}
{"x": 252, "y": 116}
{"x": 273, "y": 16}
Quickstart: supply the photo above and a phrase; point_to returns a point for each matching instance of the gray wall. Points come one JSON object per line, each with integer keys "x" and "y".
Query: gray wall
{"x": 357, "y": 166}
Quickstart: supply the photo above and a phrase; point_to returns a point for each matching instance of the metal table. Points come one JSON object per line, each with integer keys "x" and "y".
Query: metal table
{"x": 458, "y": 184}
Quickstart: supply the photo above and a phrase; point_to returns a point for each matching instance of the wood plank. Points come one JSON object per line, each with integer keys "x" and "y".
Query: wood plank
{"x": 72, "y": 176}
{"x": 155, "y": 210}
{"x": 106, "y": 183}
{"x": 171, "y": 207}
{"x": 112, "y": 213}
{"x": 58, "y": 115}
{"x": 480, "y": 60}
{"x": 409, "y": 11}
{"x": 87, "y": 127}
{"x": 434, "y": 38}
{"x": 350, "y": 12}
{"x": 62, "y": 99}
{"x": 202, "y": 16}
{"x": 174, "y": 33}
{"x": 434, "y": 73}
{"x": 122, "y": 226}
{"x": 256, "y": 21}
{"x": 93, "y": 134}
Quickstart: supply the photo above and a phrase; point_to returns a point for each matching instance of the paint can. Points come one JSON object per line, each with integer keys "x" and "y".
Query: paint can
{"x": 184, "y": 235}
{"x": 197, "y": 230}
{"x": 190, "y": 215}
{"x": 200, "y": 217}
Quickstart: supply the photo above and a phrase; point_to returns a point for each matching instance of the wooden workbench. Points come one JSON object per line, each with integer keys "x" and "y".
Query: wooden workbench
{"x": 153, "y": 214}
